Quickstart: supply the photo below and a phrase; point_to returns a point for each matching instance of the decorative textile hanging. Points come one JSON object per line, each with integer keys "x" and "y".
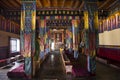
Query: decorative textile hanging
{"x": 86, "y": 24}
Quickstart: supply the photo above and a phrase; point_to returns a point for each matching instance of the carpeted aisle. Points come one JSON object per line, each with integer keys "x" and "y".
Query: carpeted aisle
{"x": 52, "y": 68}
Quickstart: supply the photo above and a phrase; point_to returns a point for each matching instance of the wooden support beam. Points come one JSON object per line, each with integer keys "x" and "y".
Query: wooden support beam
{"x": 103, "y": 4}
{"x": 18, "y": 2}
{"x": 114, "y": 2}
{"x": 63, "y": 3}
{"x": 72, "y": 3}
{"x": 39, "y": 3}
{"x": 81, "y": 6}
{"x": 13, "y": 4}
{"x": 6, "y": 4}
{"x": 56, "y": 3}
{"x": 3, "y": 6}
{"x": 49, "y": 2}
{"x": 76, "y": 4}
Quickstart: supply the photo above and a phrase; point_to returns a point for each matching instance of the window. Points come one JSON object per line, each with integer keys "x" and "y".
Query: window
{"x": 14, "y": 45}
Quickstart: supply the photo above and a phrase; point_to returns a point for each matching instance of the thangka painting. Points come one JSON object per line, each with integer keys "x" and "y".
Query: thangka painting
{"x": 118, "y": 20}
{"x": 27, "y": 45}
{"x": 108, "y": 24}
{"x": 114, "y": 22}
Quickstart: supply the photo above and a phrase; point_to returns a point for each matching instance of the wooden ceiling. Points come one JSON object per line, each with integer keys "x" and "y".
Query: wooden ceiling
{"x": 59, "y": 4}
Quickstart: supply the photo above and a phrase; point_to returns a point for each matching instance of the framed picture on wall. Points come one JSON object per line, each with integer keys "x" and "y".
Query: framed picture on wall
{"x": 108, "y": 26}
{"x": 104, "y": 25}
{"x": 119, "y": 21}
{"x": 111, "y": 24}
{"x": 114, "y": 22}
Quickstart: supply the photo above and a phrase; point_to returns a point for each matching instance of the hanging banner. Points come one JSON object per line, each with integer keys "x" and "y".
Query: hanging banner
{"x": 96, "y": 19}
{"x": 22, "y": 20}
{"x": 86, "y": 25}
{"x": 118, "y": 20}
{"x": 33, "y": 19}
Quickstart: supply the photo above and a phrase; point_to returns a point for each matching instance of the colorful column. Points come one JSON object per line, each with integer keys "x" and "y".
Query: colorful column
{"x": 42, "y": 38}
{"x": 46, "y": 38}
{"x": 75, "y": 31}
{"x": 27, "y": 33}
{"x": 91, "y": 35}
{"x": 69, "y": 37}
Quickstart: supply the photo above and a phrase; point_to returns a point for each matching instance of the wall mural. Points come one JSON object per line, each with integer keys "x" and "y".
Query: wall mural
{"x": 27, "y": 33}
{"x": 110, "y": 23}
{"x": 9, "y": 26}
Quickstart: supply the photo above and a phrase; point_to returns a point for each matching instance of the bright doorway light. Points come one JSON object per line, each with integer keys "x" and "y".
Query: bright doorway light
{"x": 52, "y": 46}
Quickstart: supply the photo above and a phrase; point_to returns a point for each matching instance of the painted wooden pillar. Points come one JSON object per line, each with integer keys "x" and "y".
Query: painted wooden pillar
{"x": 75, "y": 37}
{"x": 62, "y": 37}
{"x": 69, "y": 37}
{"x": 73, "y": 34}
{"x": 42, "y": 38}
{"x": 46, "y": 38}
{"x": 91, "y": 34}
{"x": 27, "y": 33}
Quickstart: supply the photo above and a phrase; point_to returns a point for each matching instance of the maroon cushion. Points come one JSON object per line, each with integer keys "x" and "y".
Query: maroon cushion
{"x": 77, "y": 72}
{"x": 17, "y": 72}
{"x": 3, "y": 60}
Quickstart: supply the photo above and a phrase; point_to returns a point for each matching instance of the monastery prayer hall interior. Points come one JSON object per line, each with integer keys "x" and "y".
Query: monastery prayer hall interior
{"x": 59, "y": 39}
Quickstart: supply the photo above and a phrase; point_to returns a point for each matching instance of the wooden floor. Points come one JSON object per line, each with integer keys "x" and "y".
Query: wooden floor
{"x": 52, "y": 69}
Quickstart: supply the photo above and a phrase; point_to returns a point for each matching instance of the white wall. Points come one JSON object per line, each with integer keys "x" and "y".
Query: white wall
{"x": 110, "y": 37}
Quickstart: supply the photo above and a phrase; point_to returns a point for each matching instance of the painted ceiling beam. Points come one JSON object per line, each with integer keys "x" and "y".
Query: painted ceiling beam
{"x": 49, "y": 2}
{"x": 18, "y": 2}
{"x": 72, "y": 3}
{"x": 39, "y": 2}
{"x": 103, "y": 4}
{"x": 81, "y": 6}
{"x": 56, "y": 3}
{"x": 2, "y": 6}
{"x": 6, "y": 4}
{"x": 63, "y": 3}
{"x": 12, "y": 3}
{"x": 110, "y": 6}
{"x": 76, "y": 4}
